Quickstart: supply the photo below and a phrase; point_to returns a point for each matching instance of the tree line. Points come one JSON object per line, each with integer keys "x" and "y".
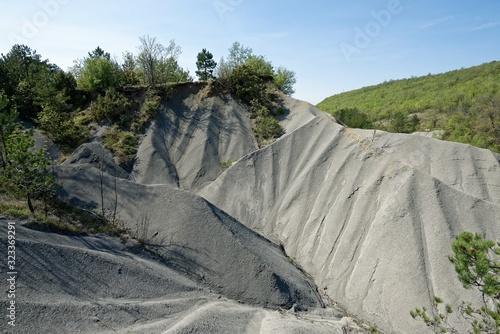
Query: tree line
{"x": 33, "y": 84}
{"x": 35, "y": 90}
{"x": 464, "y": 104}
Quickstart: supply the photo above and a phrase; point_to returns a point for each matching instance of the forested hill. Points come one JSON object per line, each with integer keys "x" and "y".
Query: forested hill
{"x": 464, "y": 103}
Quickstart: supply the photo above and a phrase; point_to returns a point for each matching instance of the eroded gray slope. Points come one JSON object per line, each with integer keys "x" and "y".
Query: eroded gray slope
{"x": 193, "y": 132}
{"x": 370, "y": 221}
{"x": 197, "y": 238}
{"x": 466, "y": 168}
{"x": 74, "y": 284}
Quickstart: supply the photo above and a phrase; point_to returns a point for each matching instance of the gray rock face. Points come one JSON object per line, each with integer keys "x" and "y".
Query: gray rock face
{"x": 191, "y": 135}
{"x": 95, "y": 155}
{"x": 42, "y": 141}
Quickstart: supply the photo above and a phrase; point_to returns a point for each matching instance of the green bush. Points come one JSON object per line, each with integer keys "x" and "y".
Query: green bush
{"x": 260, "y": 66}
{"x": 62, "y": 129}
{"x": 98, "y": 74}
{"x": 110, "y": 106}
{"x": 246, "y": 83}
{"x": 121, "y": 143}
{"x": 225, "y": 164}
{"x": 267, "y": 128}
{"x": 257, "y": 109}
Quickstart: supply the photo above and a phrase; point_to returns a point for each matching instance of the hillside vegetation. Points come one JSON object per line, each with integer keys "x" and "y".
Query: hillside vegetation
{"x": 120, "y": 97}
{"x": 464, "y": 103}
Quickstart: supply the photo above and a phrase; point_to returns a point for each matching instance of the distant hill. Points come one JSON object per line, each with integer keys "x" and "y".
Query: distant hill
{"x": 464, "y": 103}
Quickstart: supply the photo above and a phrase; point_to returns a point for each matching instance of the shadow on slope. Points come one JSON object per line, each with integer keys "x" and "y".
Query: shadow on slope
{"x": 96, "y": 285}
{"x": 194, "y": 131}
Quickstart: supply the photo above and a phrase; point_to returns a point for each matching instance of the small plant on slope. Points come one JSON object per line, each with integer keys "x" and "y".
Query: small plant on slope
{"x": 477, "y": 263}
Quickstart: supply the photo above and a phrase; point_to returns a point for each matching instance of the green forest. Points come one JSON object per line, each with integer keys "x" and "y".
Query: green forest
{"x": 464, "y": 104}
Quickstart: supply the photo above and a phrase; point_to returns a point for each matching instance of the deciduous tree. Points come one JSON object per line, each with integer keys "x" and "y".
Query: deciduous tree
{"x": 284, "y": 79}
{"x": 238, "y": 55}
{"x": 156, "y": 61}
{"x": 98, "y": 72}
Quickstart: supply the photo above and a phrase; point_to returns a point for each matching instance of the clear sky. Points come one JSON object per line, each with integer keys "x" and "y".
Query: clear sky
{"x": 332, "y": 45}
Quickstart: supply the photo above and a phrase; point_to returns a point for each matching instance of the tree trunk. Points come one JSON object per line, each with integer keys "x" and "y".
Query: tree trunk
{"x": 3, "y": 154}
{"x": 30, "y": 205}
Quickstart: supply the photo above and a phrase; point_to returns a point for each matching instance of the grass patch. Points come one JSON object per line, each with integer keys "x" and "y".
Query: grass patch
{"x": 267, "y": 129}
{"x": 59, "y": 217}
{"x": 13, "y": 208}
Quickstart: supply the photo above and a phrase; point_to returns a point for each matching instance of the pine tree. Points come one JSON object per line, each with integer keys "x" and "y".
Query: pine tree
{"x": 477, "y": 264}
{"x": 23, "y": 170}
{"x": 206, "y": 65}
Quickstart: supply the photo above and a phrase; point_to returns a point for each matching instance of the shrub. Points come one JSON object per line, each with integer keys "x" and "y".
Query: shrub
{"x": 246, "y": 83}
{"x": 121, "y": 143}
{"x": 267, "y": 127}
{"x": 61, "y": 128}
{"x": 110, "y": 106}
{"x": 148, "y": 110}
{"x": 225, "y": 164}
{"x": 257, "y": 109}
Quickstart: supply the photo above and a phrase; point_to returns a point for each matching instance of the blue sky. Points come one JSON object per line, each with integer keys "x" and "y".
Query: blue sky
{"x": 333, "y": 46}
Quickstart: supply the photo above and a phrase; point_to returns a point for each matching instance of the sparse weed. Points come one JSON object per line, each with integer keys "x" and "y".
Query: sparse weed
{"x": 225, "y": 164}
